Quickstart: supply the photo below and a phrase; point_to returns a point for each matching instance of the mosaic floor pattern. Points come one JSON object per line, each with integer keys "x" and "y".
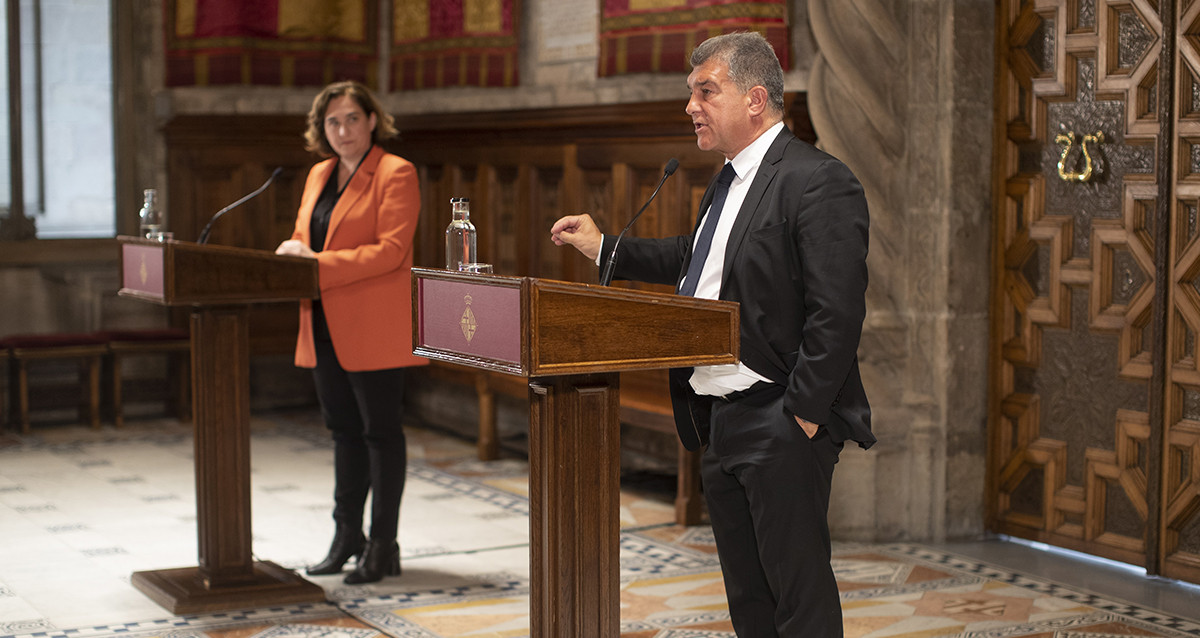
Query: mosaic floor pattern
{"x": 81, "y": 510}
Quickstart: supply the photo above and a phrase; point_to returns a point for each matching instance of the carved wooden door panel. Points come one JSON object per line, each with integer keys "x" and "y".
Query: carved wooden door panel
{"x": 1076, "y": 389}
{"x": 1179, "y": 518}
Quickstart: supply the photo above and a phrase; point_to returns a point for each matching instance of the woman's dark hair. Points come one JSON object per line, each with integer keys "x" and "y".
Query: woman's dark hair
{"x": 314, "y": 136}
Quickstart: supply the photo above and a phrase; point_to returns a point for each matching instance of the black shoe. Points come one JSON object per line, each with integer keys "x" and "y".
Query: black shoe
{"x": 347, "y": 542}
{"x": 381, "y": 558}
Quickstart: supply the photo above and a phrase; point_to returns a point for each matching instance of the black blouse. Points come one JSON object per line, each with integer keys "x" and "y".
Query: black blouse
{"x": 318, "y": 228}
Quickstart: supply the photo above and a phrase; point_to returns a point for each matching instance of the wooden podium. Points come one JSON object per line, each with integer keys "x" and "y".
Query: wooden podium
{"x": 219, "y": 283}
{"x": 571, "y": 341}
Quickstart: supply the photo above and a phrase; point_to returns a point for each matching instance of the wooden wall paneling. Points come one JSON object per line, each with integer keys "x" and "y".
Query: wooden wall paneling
{"x": 466, "y": 184}
{"x": 539, "y": 197}
{"x": 660, "y": 217}
{"x": 438, "y": 153}
{"x": 182, "y": 180}
{"x": 436, "y": 215}
{"x": 649, "y": 154}
{"x": 215, "y": 160}
{"x": 553, "y": 196}
{"x": 484, "y": 214}
{"x": 500, "y": 233}
{"x": 574, "y": 267}
{"x": 449, "y": 186}
{"x": 425, "y": 251}
{"x": 667, "y": 210}
{"x": 536, "y": 182}
{"x": 469, "y": 132}
{"x": 596, "y": 197}
{"x": 632, "y": 186}
{"x": 544, "y": 184}
{"x": 506, "y": 245}
{"x": 619, "y": 213}
{"x": 523, "y": 195}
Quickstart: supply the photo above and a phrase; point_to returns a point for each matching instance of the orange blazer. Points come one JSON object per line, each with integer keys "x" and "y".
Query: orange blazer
{"x": 363, "y": 270}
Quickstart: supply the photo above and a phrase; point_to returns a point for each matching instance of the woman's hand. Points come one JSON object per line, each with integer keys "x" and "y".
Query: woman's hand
{"x": 295, "y": 248}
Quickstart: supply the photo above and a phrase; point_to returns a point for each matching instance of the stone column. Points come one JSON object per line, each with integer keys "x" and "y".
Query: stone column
{"x": 901, "y": 92}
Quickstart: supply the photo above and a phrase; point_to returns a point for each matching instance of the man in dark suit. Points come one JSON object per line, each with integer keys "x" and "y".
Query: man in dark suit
{"x": 783, "y": 231}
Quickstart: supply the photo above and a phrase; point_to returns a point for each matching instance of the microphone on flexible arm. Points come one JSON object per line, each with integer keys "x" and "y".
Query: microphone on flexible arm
{"x": 611, "y": 265}
{"x": 208, "y": 228}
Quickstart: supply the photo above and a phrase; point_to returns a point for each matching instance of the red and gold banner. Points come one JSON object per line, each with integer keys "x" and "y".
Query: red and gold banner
{"x": 651, "y": 36}
{"x": 445, "y": 43}
{"x": 271, "y": 42}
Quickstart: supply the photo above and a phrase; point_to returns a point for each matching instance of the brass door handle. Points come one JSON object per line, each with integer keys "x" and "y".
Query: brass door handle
{"x": 1069, "y": 139}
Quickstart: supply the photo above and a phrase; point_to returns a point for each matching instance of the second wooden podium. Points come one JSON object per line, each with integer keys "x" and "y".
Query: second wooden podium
{"x": 219, "y": 283}
{"x": 571, "y": 341}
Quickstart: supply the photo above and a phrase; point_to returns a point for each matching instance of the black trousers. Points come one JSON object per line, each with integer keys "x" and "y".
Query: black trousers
{"x": 767, "y": 488}
{"x": 364, "y": 411}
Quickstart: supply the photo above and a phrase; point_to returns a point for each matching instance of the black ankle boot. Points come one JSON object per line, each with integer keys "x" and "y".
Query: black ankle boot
{"x": 381, "y": 558}
{"x": 347, "y": 542}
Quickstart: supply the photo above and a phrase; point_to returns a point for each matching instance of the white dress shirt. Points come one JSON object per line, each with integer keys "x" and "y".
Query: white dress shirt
{"x": 723, "y": 379}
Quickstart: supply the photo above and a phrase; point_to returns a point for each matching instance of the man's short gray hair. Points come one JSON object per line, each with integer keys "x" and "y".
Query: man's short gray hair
{"x": 751, "y": 61}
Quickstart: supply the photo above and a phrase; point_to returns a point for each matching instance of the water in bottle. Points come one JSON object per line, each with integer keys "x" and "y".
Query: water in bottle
{"x": 460, "y": 235}
{"x": 151, "y": 217}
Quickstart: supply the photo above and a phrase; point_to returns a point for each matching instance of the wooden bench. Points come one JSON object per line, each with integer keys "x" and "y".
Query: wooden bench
{"x": 176, "y": 344}
{"x": 644, "y": 404}
{"x": 88, "y": 349}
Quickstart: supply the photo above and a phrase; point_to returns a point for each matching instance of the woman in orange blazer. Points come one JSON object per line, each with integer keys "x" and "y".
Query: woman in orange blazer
{"x": 357, "y": 218}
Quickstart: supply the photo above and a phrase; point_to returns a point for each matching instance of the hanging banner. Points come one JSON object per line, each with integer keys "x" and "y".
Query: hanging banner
{"x": 448, "y": 43}
{"x": 270, "y": 42}
{"x": 657, "y": 36}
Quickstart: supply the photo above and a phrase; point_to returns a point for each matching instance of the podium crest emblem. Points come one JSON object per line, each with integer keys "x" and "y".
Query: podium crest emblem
{"x": 467, "y": 321}
{"x": 142, "y": 270}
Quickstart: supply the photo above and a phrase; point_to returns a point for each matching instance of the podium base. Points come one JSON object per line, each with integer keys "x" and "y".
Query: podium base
{"x": 181, "y": 590}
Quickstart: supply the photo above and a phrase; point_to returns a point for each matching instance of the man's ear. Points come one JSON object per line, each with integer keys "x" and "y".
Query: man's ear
{"x": 756, "y": 100}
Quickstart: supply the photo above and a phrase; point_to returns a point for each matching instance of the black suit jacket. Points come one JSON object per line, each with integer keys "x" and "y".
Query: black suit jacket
{"x": 796, "y": 262}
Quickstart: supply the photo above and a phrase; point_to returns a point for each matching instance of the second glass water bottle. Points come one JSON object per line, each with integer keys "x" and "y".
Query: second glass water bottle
{"x": 460, "y": 235}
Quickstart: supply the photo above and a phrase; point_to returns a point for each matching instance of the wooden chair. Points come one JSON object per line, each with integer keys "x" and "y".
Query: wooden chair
{"x": 88, "y": 349}
{"x": 175, "y": 343}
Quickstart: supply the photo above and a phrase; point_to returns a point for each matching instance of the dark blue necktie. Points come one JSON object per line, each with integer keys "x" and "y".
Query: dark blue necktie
{"x": 704, "y": 243}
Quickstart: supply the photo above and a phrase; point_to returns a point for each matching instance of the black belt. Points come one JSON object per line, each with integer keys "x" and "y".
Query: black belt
{"x": 759, "y": 386}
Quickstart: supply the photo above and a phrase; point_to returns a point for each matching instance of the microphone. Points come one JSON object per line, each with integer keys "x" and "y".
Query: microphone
{"x": 208, "y": 228}
{"x": 611, "y": 264}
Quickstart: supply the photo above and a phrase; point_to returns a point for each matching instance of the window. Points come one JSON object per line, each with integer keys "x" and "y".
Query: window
{"x": 66, "y": 158}
{"x": 5, "y": 164}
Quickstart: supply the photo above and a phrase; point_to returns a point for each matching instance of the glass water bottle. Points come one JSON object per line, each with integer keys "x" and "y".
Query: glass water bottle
{"x": 460, "y": 235}
{"x": 151, "y": 217}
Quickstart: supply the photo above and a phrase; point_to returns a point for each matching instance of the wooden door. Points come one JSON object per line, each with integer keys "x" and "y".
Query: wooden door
{"x": 1077, "y": 397}
{"x": 1178, "y": 553}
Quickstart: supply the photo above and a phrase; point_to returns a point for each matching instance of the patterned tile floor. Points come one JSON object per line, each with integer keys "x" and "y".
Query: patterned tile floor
{"x": 81, "y": 510}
